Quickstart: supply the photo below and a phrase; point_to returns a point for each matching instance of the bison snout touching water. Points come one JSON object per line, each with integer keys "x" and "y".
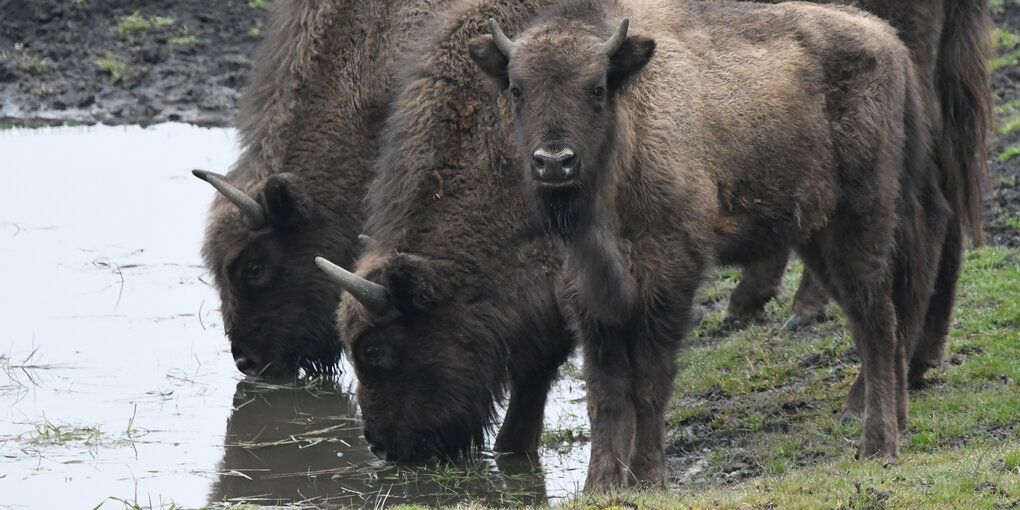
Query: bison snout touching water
{"x": 718, "y": 127}
{"x": 277, "y": 315}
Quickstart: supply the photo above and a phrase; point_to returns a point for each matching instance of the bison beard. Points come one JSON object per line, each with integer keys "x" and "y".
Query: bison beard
{"x": 559, "y": 209}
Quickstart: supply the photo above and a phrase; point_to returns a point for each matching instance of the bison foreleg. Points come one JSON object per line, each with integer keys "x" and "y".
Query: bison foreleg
{"x": 607, "y": 374}
{"x": 653, "y": 356}
{"x": 522, "y": 426}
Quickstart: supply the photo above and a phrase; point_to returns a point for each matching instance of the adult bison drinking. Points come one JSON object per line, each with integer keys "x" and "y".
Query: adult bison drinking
{"x": 752, "y": 130}
{"x": 309, "y": 124}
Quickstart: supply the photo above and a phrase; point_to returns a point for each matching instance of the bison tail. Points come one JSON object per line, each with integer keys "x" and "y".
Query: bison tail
{"x": 963, "y": 83}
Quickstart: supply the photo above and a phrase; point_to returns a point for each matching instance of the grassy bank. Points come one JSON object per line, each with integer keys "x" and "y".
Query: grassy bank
{"x": 770, "y": 400}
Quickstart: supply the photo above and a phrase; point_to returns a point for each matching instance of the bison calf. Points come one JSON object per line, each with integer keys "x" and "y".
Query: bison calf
{"x": 754, "y": 129}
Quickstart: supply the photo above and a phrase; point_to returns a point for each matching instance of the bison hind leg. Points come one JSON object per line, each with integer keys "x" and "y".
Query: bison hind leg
{"x": 760, "y": 282}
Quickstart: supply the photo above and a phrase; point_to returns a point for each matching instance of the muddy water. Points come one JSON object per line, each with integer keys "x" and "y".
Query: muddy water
{"x": 117, "y": 380}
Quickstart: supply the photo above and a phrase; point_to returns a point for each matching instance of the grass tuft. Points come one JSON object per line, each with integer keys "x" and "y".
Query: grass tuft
{"x": 115, "y": 68}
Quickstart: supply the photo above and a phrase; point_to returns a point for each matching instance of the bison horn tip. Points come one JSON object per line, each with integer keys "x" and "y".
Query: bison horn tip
{"x": 371, "y": 295}
{"x": 611, "y": 46}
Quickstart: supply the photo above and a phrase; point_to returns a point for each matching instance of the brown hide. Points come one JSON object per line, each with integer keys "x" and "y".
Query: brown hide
{"x": 467, "y": 271}
{"x": 308, "y": 126}
{"x": 796, "y": 126}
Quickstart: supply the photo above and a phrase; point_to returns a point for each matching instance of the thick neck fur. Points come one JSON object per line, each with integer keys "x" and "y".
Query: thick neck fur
{"x": 598, "y": 264}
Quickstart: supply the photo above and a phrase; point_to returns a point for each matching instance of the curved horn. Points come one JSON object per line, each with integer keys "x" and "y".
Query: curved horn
{"x": 610, "y": 47}
{"x": 370, "y": 294}
{"x": 505, "y": 45}
{"x": 250, "y": 209}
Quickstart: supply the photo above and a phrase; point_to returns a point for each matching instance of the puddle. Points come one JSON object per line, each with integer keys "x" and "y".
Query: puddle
{"x": 117, "y": 381}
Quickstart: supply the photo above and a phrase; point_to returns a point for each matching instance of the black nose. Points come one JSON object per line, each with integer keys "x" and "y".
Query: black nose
{"x": 553, "y": 165}
{"x": 246, "y": 365}
{"x": 377, "y": 449}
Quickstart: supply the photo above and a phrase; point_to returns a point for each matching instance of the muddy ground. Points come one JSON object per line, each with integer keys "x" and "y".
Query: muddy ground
{"x": 144, "y": 62}
{"x": 125, "y": 61}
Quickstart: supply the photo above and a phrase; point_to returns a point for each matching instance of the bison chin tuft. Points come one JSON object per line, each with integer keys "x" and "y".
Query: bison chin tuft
{"x": 559, "y": 208}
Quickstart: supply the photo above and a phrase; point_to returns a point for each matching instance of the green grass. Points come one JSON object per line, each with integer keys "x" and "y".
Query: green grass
{"x": 1013, "y": 221}
{"x": 257, "y": 4}
{"x": 1006, "y": 43}
{"x": 255, "y": 32}
{"x": 772, "y": 398}
{"x": 130, "y": 24}
{"x": 161, "y": 21}
{"x": 563, "y": 439}
{"x": 1009, "y": 125}
{"x": 179, "y": 41}
{"x": 135, "y": 22}
{"x": 24, "y": 60}
{"x": 1010, "y": 152}
{"x": 974, "y": 478}
{"x": 115, "y": 68}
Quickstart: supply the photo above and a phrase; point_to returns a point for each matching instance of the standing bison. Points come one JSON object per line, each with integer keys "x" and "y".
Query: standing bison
{"x": 309, "y": 124}
{"x": 753, "y": 130}
{"x": 458, "y": 281}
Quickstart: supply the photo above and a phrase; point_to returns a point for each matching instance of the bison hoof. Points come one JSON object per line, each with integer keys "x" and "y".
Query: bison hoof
{"x": 797, "y": 321}
{"x": 878, "y": 448}
{"x": 848, "y": 416}
{"x": 887, "y": 453}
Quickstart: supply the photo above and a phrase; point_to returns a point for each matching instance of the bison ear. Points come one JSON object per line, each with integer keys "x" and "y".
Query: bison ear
{"x": 493, "y": 62}
{"x": 632, "y": 56}
{"x": 414, "y": 283}
{"x": 287, "y": 202}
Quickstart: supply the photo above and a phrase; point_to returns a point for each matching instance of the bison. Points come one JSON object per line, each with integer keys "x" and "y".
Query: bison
{"x": 309, "y": 124}
{"x": 460, "y": 284}
{"x": 755, "y": 129}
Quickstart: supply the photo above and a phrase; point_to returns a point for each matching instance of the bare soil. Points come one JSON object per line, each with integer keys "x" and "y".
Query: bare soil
{"x": 125, "y": 61}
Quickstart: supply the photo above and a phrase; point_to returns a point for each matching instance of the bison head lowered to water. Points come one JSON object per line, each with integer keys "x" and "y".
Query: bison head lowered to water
{"x": 278, "y": 314}
{"x": 309, "y": 124}
{"x": 464, "y": 279}
{"x": 754, "y": 129}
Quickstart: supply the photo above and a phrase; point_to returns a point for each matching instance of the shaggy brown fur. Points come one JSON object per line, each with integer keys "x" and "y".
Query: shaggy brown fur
{"x": 467, "y": 275}
{"x": 471, "y": 280}
{"x": 802, "y": 125}
{"x": 950, "y": 44}
{"x": 283, "y": 130}
{"x": 308, "y": 125}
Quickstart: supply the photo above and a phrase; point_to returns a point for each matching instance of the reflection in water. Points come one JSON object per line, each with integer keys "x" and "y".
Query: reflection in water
{"x": 302, "y": 443}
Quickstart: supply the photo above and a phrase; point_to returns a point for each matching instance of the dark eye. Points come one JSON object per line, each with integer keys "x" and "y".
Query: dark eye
{"x": 376, "y": 356}
{"x": 515, "y": 93}
{"x": 373, "y": 354}
{"x": 599, "y": 93}
{"x": 253, "y": 271}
